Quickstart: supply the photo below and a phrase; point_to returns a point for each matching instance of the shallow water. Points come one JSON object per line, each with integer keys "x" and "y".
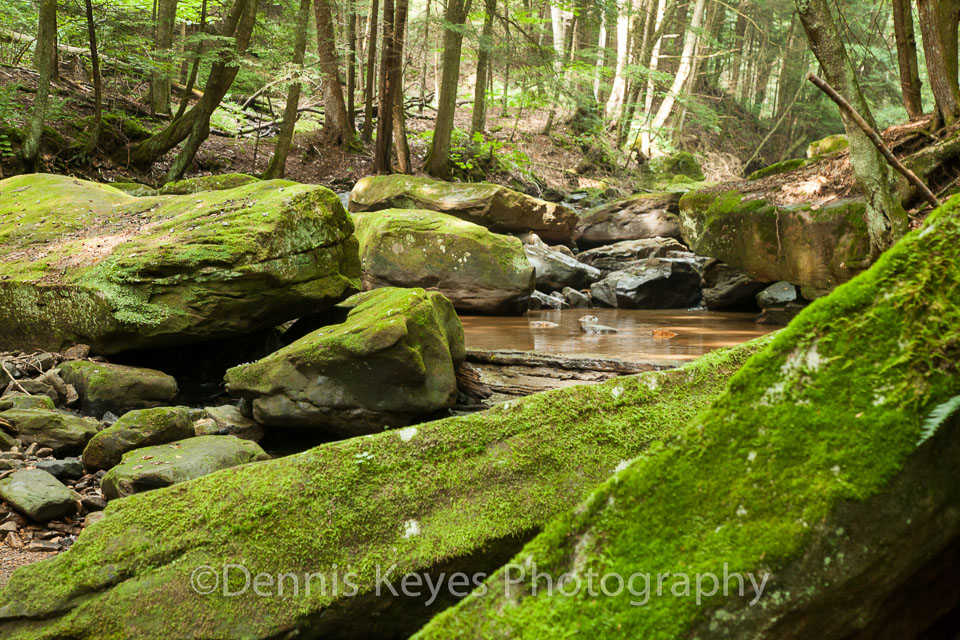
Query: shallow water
{"x": 698, "y": 332}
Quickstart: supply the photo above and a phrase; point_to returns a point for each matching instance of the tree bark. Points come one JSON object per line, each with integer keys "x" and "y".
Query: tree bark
{"x": 886, "y": 220}
{"x": 160, "y": 78}
{"x": 43, "y": 60}
{"x": 278, "y": 163}
{"x": 657, "y": 39}
{"x": 336, "y": 122}
{"x": 94, "y": 139}
{"x": 907, "y": 57}
{"x": 404, "y": 164}
{"x": 386, "y": 91}
{"x": 438, "y": 155}
{"x": 479, "y": 117}
{"x": 367, "y": 134}
{"x": 618, "y": 91}
{"x": 195, "y": 69}
{"x": 351, "y": 66}
{"x": 941, "y": 70}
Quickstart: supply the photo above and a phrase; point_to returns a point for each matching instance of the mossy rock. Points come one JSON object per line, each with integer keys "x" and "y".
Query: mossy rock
{"x": 391, "y": 360}
{"x": 828, "y": 466}
{"x": 681, "y": 163}
{"x": 495, "y": 207}
{"x": 149, "y": 468}
{"x": 816, "y": 248}
{"x": 38, "y": 495}
{"x": 827, "y": 146}
{"x": 82, "y": 262}
{"x": 65, "y": 433}
{"x": 779, "y": 167}
{"x": 478, "y": 271}
{"x": 645, "y": 215}
{"x": 135, "y": 430}
{"x": 118, "y": 388}
{"x": 27, "y": 402}
{"x": 462, "y": 493}
{"x": 207, "y": 183}
{"x": 135, "y": 189}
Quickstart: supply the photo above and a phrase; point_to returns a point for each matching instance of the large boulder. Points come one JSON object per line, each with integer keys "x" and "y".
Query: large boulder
{"x": 117, "y": 388}
{"x": 647, "y": 215}
{"x": 460, "y": 494}
{"x": 478, "y": 271}
{"x": 814, "y": 247}
{"x": 555, "y": 270}
{"x": 82, "y": 262}
{"x": 816, "y": 498}
{"x": 656, "y": 283}
{"x": 620, "y": 255}
{"x": 135, "y": 430}
{"x": 167, "y": 464}
{"x": 391, "y": 360}
{"x": 65, "y": 433}
{"x": 495, "y": 207}
{"x": 724, "y": 287}
{"x": 37, "y": 495}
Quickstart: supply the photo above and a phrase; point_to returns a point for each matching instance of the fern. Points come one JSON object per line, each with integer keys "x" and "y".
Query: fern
{"x": 937, "y": 417}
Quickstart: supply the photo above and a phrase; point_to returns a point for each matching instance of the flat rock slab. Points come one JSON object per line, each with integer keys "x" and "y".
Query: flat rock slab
{"x": 82, "y": 262}
{"x": 168, "y": 464}
{"x": 37, "y": 495}
{"x": 647, "y": 215}
{"x": 495, "y": 207}
{"x": 117, "y": 388}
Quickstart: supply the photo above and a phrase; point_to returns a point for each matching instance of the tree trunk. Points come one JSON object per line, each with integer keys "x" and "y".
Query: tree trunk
{"x": 686, "y": 64}
{"x": 404, "y": 164}
{"x": 160, "y": 78}
{"x": 601, "y": 56}
{"x": 94, "y": 139}
{"x": 617, "y": 92}
{"x": 907, "y": 57}
{"x": 739, "y": 31}
{"x": 221, "y": 77}
{"x": 351, "y": 67}
{"x": 192, "y": 80}
{"x": 653, "y": 66}
{"x": 386, "y": 91}
{"x": 438, "y": 155}
{"x": 336, "y": 122}
{"x": 479, "y": 117}
{"x": 43, "y": 60}
{"x": 941, "y": 70}
{"x": 886, "y": 219}
{"x": 367, "y": 134}
{"x": 278, "y": 163}
{"x": 424, "y": 48}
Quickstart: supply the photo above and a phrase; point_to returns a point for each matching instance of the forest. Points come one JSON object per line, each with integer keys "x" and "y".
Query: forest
{"x": 479, "y": 319}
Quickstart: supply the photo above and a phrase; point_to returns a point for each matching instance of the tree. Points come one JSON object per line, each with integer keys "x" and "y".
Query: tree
{"x": 399, "y": 116}
{"x": 886, "y": 220}
{"x": 278, "y": 163}
{"x": 387, "y": 92}
{"x": 367, "y": 134}
{"x": 44, "y": 60}
{"x": 336, "y": 122}
{"x": 478, "y": 120}
{"x": 160, "y": 78}
{"x": 438, "y": 155}
{"x": 195, "y": 69}
{"x": 937, "y": 18}
{"x": 94, "y": 139}
{"x": 907, "y": 58}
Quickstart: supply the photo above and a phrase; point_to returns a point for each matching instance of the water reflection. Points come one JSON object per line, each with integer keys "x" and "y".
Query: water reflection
{"x": 697, "y": 333}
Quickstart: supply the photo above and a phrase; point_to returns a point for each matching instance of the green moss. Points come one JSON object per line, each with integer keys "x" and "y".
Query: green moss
{"x": 828, "y": 145}
{"x": 679, "y": 163}
{"x": 778, "y": 167}
{"x": 467, "y": 481}
{"x": 816, "y": 424}
{"x": 207, "y": 183}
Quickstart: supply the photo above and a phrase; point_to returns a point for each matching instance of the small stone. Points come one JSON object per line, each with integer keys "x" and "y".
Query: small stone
{"x": 43, "y": 545}
{"x": 93, "y": 518}
{"x": 77, "y": 352}
{"x": 43, "y": 452}
{"x": 62, "y": 469}
{"x": 93, "y": 503}
{"x": 13, "y": 541}
{"x": 8, "y": 527}
{"x": 32, "y": 449}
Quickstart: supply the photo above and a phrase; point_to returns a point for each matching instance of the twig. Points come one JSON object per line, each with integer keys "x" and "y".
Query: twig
{"x": 875, "y": 139}
{"x": 9, "y": 375}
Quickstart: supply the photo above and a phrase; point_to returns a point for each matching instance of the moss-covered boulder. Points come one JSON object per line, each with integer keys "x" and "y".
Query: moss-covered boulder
{"x": 82, "y": 262}
{"x": 478, "y": 271}
{"x": 826, "y": 472}
{"x": 37, "y": 494}
{"x": 814, "y": 247}
{"x": 828, "y": 145}
{"x": 135, "y": 430}
{"x": 65, "y": 433}
{"x": 207, "y": 183}
{"x": 151, "y": 468}
{"x": 779, "y": 167}
{"x": 391, "y": 360}
{"x": 135, "y": 189}
{"x": 647, "y": 215}
{"x": 458, "y": 494}
{"x": 680, "y": 164}
{"x": 495, "y": 207}
{"x": 118, "y": 388}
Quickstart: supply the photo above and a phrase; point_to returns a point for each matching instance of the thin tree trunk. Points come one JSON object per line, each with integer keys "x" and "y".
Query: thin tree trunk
{"x": 381, "y": 158}
{"x": 479, "y": 116}
{"x": 944, "y": 85}
{"x": 160, "y": 79}
{"x": 886, "y": 220}
{"x": 43, "y": 60}
{"x": 351, "y": 66}
{"x": 439, "y": 153}
{"x": 653, "y": 66}
{"x": 94, "y": 139}
{"x": 618, "y": 91}
{"x": 739, "y": 31}
{"x": 336, "y": 122}
{"x": 278, "y": 163}
{"x": 424, "y": 48}
{"x": 367, "y": 134}
{"x": 192, "y": 80}
{"x": 907, "y": 57}
{"x": 404, "y": 164}
{"x": 601, "y": 55}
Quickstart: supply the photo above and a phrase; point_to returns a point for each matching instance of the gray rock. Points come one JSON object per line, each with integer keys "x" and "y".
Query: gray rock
{"x": 781, "y": 315}
{"x": 65, "y": 433}
{"x": 228, "y": 420}
{"x": 26, "y": 402}
{"x": 725, "y": 287}
{"x": 576, "y": 299}
{"x": 555, "y": 270}
{"x": 37, "y": 494}
{"x": 657, "y": 283}
{"x": 117, "y": 388}
{"x": 620, "y": 255}
{"x": 648, "y": 215}
{"x": 540, "y": 300}
{"x": 135, "y": 430}
{"x": 777, "y": 295}
{"x": 167, "y": 464}
{"x": 70, "y": 469}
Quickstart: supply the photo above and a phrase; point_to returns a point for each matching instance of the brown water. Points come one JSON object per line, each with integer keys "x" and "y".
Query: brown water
{"x": 697, "y": 333}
